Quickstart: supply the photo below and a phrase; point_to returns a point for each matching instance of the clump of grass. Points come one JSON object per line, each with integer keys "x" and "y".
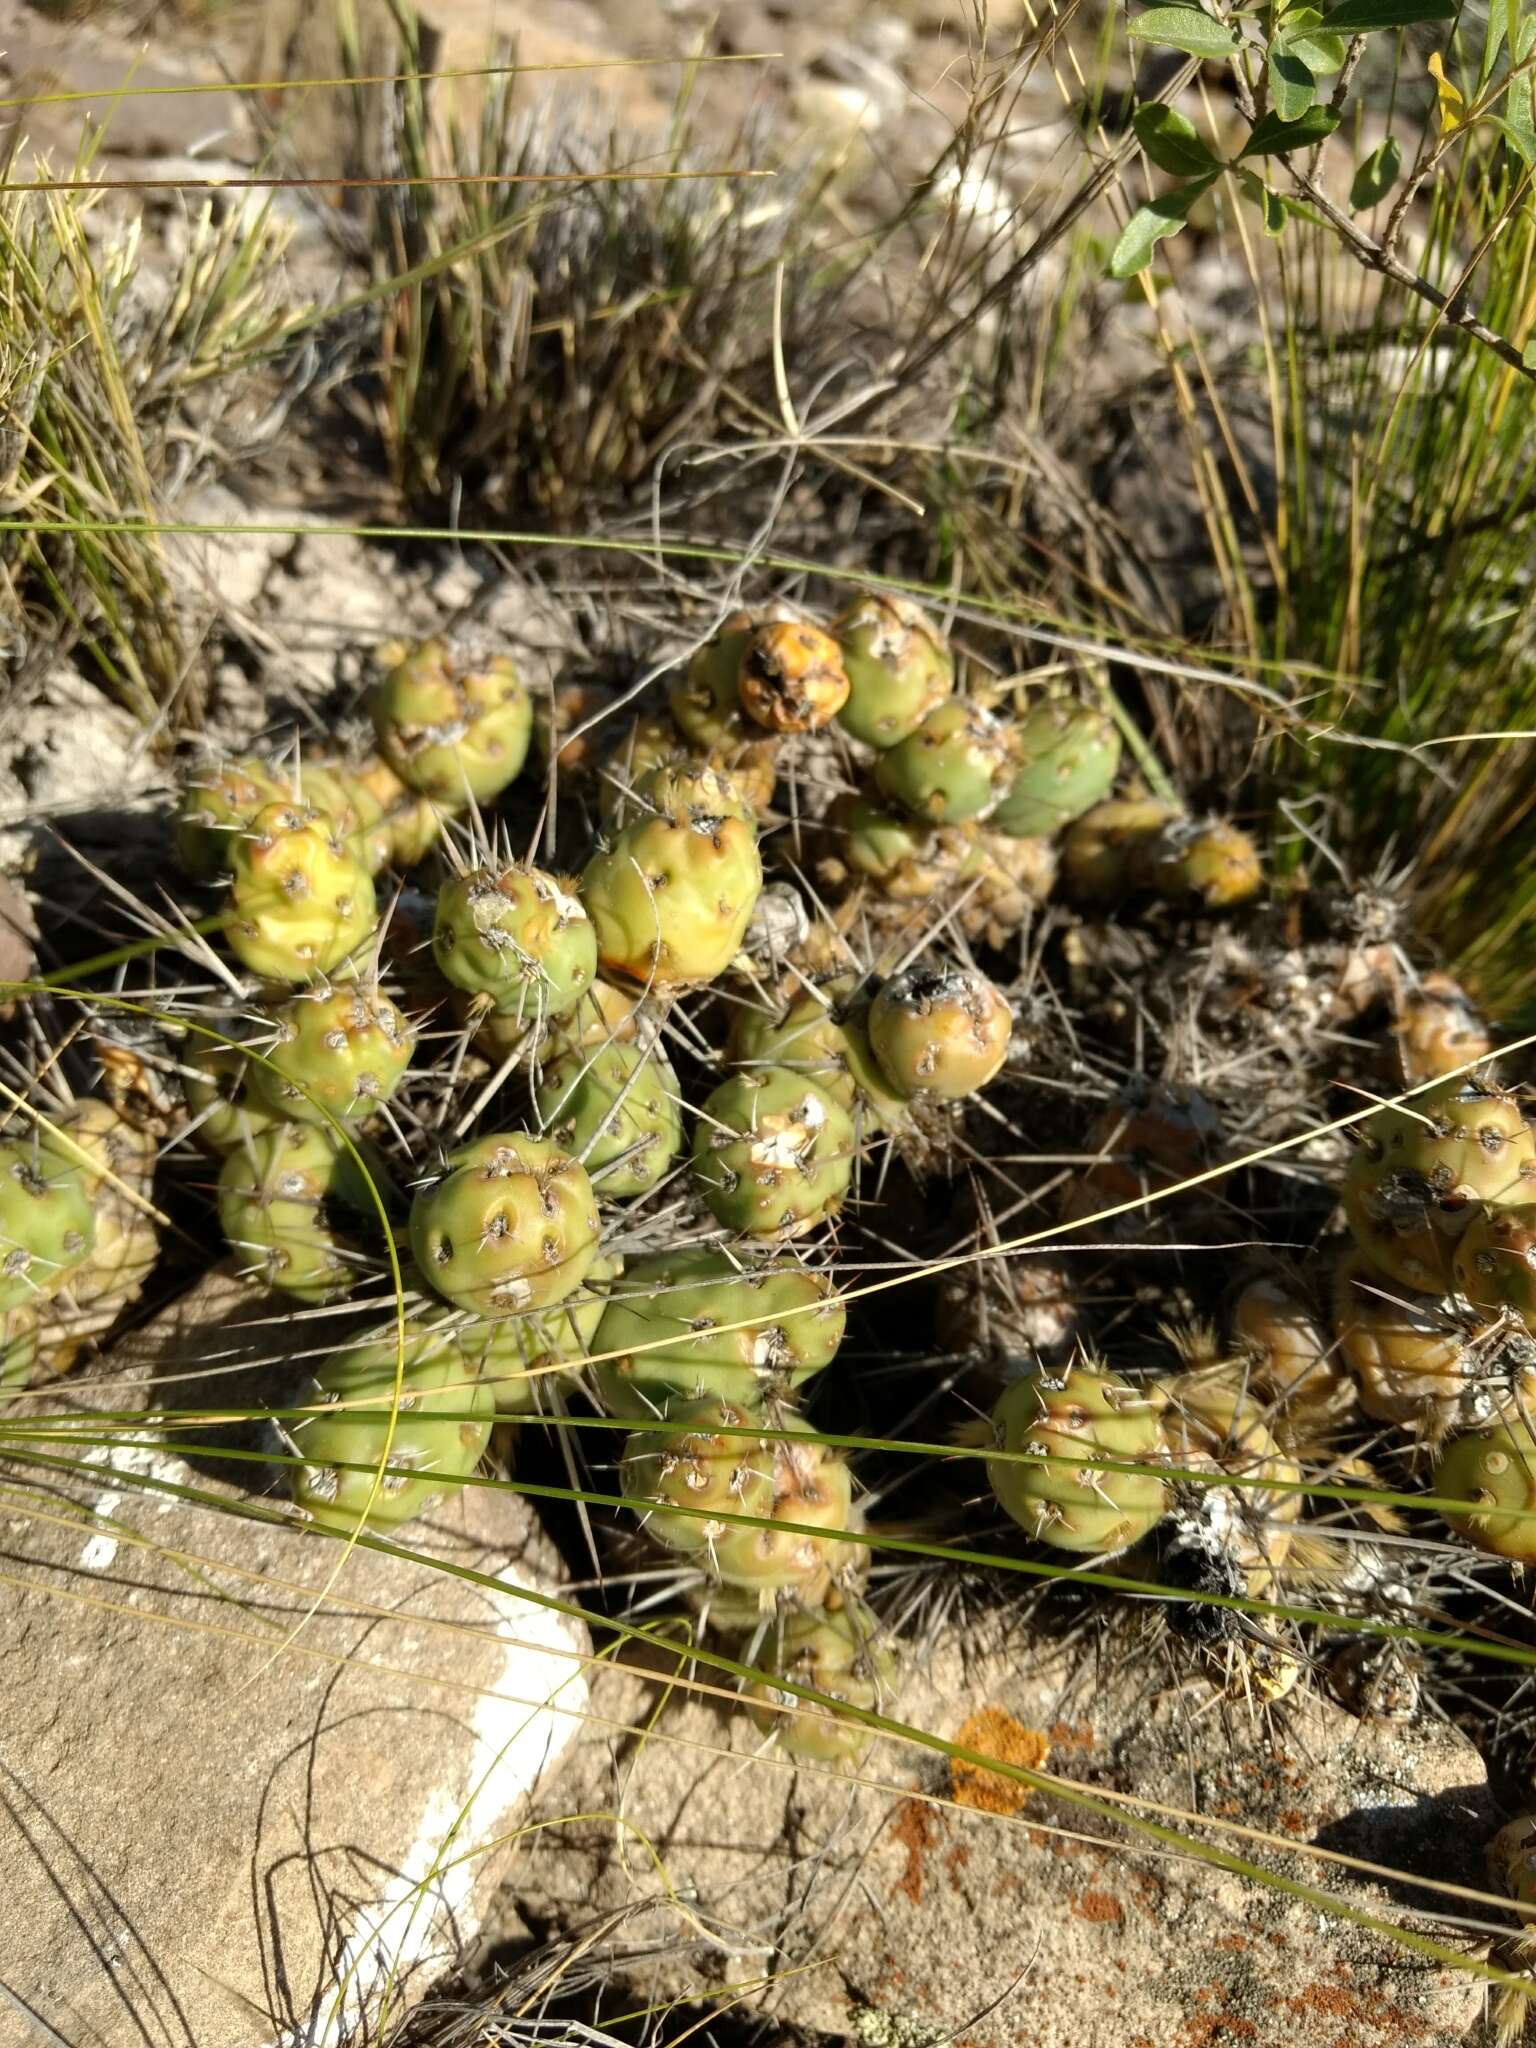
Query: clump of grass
{"x": 1404, "y": 530}
{"x": 566, "y": 336}
{"x": 98, "y": 375}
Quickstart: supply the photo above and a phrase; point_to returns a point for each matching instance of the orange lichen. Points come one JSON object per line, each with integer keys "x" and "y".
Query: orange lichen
{"x": 916, "y": 1829}
{"x": 994, "y": 1732}
{"x": 1096, "y": 1906}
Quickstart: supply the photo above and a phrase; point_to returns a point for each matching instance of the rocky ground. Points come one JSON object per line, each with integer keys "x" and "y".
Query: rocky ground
{"x": 237, "y": 1763}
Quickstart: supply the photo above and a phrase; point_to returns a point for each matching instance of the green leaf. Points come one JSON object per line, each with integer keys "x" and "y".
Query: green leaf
{"x": 1172, "y": 141}
{"x": 1302, "y": 35}
{"x": 1274, "y": 137}
{"x": 1528, "y": 354}
{"x": 1152, "y": 224}
{"x": 1291, "y": 85}
{"x": 1518, "y": 126}
{"x": 1359, "y": 17}
{"x": 1187, "y": 28}
{"x": 1376, "y": 176}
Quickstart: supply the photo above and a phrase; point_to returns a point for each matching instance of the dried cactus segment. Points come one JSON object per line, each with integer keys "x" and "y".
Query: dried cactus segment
{"x": 1438, "y": 1028}
{"x": 1099, "y": 849}
{"x": 791, "y": 677}
{"x": 1409, "y": 1356}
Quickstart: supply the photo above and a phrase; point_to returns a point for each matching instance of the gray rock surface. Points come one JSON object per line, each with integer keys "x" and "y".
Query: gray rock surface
{"x": 250, "y": 1782}
{"x": 888, "y": 1910}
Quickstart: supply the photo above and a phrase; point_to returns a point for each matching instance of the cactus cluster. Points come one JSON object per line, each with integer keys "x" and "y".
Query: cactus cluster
{"x": 624, "y": 1103}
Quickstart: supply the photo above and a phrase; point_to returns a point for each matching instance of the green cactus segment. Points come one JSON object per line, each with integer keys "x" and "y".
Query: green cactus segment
{"x": 299, "y": 901}
{"x": 451, "y": 730}
{"x": 841, "y": 1653}
{"x": 225, "y": 1105}
{"x": 899, "y": 668}
{"x": 18, "y": 1347}
{"x": 411, "y": 824}
{"x": 47, "y": 1229}
{"x": 1420, "y": 1172}
{"x": 773, "y": 1153}
{"x": 355, "y": 807}
{"x": 619, "y": 1110}
{"x": 1495, "y": 1262}
{"x": 704, "y": 701}
{"x": 116, "y": 1164}
{"x": 340, "y": 1052}
{"x": 825, "y": 1037}
{"x": 512, "y": 1225}
{"x": 215, "y": 808}
{"x": 525, "y": 1358}
{"x": 426, "y": 1439}
{"x": 1493, "y": 1470}
{"x": 1069, "y": 757}
{"x": 711, "y": 1463}
{"x": 603, "y": 1015}
{"x": 693, "y": 1324}
{"x": 1100, "y": 847}
{"x": 276, "y": 1196}
{"x": 1207, "y": 861}
{"x": 93, "y": 1139}
{"x": 891, "y": 849}
{"x": 518, "y": 937}
{"x": 1058, "y": 1493}
{"x": 672, "y": 896}
{"x": 942, "y": 1030}
{"x": 957, "y": 764}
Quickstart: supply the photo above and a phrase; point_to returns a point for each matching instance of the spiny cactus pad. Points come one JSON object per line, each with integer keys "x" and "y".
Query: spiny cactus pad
{"x": 414, "y": 1419}
{"x": 511, "y": 1225}
{"x": 957, "y": 764}
{"x": 300, "y": 901}
{"x": 942, "y": 1030}
{"x": 454, "y": 729}
{"x": 671, "y": 896}
{"x": 619, "y": 1110}
{"x": 47, "y": 1229}
{"x": 276, "y": 1196}
{"x": 1058, "y": 1491}
{"x": 898, "y": 665}
{"x": 694, "y": 1323}
{"x": 340, "y": 1052}
{"x": 516, "y": 936}
{"x": 773, "y": 1153}
{"x": 1068, "y": 755}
